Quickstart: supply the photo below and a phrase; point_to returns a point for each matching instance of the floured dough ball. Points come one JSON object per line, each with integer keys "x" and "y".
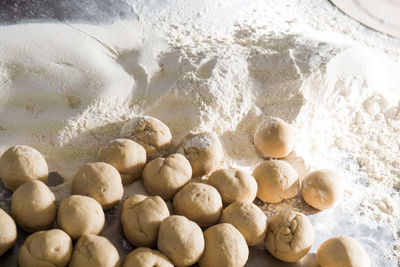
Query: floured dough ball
{"x": 141, "y": 219}
{"x": 100, "y": 181}
{"x": 224, "y": 247}
{"x": 165, "y": 176}
{"x": 127, "y": 156}
{"x": 199, "y": 202}
{"x": 181, "y": 240}
{"x": 145, "y": 257}
{"x": 46, "y": 248}
{"x": 290, "y": 236}
{"x": 342, "y": 251}
{"x": 8, "y": 232}
{"x": 20, "y": 164}
{"x": 277, "y": 180}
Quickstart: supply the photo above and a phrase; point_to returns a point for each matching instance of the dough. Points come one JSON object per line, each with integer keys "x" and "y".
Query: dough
{"x": 8, "y": 232}
{"x": 248, "y": 219}
{"x": 145, "y": 257}
{"x": 46, "y": 249}
{"x": 234, "y": 185}
{"x": 181, "y": 240}
{"x": 204, "y": 152}
{"x": 199, "y": 202}
{"x": 100, "y": 181}
{"x": 322, "y": 189}
{"x": 224, "y": 247}
{"x": 290, "y": 236}
{"x": 141, "y": 218}
{"x": 342, "y": 251}
{"x": 165, "y": 176}
{"x": 277, "y": 180}
{"x": 20, "y": 164}
{"x": 80, "y": 215}
{"x": 127, "y": 156}
{"x": 33, "y": 206}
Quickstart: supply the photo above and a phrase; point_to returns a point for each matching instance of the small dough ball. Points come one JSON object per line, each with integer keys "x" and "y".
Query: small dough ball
{"x": 80, "y": 215}
{"x": 204, "y": 152}
{"x": 46, "y": 249}
{"x": 248, "y": 219}
{"x": 181, "y": 240}
{"x": 127, "y": 156}
{"x": 100, "y": 181}
{"x": 290, "y": 236}
{"x": 20, "y": 164}
{"x": 33, "y": 206}
{"x": 199, "y": 202}
{"x": 145, "y": 257}
{"x": 8, "y": 232}
{"x": 224, "y": 247}
{"x": 342, "y": 251}
{"x": 274, "y": 138}
{"x": 322, "y": 189}
{"x": 141, "y": 219}
{"x": 165, "y": 176}
{"x": 277, "y": 180}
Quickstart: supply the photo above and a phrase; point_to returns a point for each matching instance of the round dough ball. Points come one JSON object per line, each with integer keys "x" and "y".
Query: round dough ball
{"x": 290, "y": 236}
{"x": 274, "y": 138}
{"x": 127, "y": 156}
{"x": 342, "y": 251}
{"x": 165, "y": 176}
{"x": 204, "y": 152}
{"x": 33, "y": 206}
{"x": 46, "y": 249}
{"x": 199, "y": 202}
{"x": 100, "y": 181}
{"x": 277, "y": 180}
{"x": 141, "y": 219}
{"x": 248, "y": 219}
{"x": 145, "y": 257}
{"x": 224, "y": 247}
{"x": 20, "y": 164}
{"x": 181, "y": 240}
{"x": 80, "y": 215}
{"x": 8, "y": 232}
{"x": 322, "y": 189}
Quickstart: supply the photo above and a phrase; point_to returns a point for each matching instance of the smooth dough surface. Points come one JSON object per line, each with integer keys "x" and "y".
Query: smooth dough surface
{"x": 8, "y": 232}
{"x": 146, "y": 257}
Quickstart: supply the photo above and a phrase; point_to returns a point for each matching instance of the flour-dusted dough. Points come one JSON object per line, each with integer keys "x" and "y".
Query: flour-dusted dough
{"x": 146, "y": 257}
{"x": 8, "y": 232}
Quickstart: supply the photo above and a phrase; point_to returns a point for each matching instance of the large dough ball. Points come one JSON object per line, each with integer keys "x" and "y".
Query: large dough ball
{"x": 46, "y": 249}
{"x": 290, "y": 236}
{"x": 224, "y": 247}
{"x": 100, "y": 181}
{"x": 127, "y": 156}
{"x": 20, "y": 164}
{"x": 8, "y": 232}
{"x": 181, "y": 240}
{"x": 277, "y": 180}
{"x": 80, "y": 215}
{"x": 165, "y": 176}
{"x": 141, "y": 219}
{"x": 33, "y": 206}
{"x": 342, "y": 251}
{"x": 145, "y": 257}
{"x": 199, "y": 202}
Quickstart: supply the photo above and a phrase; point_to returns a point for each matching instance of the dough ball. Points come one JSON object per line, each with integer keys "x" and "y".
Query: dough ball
{"x": 8, "y": 232}
{"x": 33, "y": 206}
{"x": 342, "y": 251}
{"x": 100, "y": 181}
{"x": 274, "y": 138}
{"x": 141, "y": 219}
{"x": 248, "y": 219}
{"x": 165, "y": 176}
{"x": 322, "y": 189}
{"x": 80, "y": 215}
{"x": 234, "y": 185}
{"x": 181, "y": 240}
{"x": 199, "y": 202}
{"x": 224, "y": 247}
{"x": 145, "y": 257}
{"x": 204, "y": 152}
{"x": 277, "y": 180}
{"x": 20, "y": 164}
{"x": 290, "y": 236}
{"x": 46, "y": 249}
{"x": 127, "y": 156}
{"x": 149, "y": 132}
